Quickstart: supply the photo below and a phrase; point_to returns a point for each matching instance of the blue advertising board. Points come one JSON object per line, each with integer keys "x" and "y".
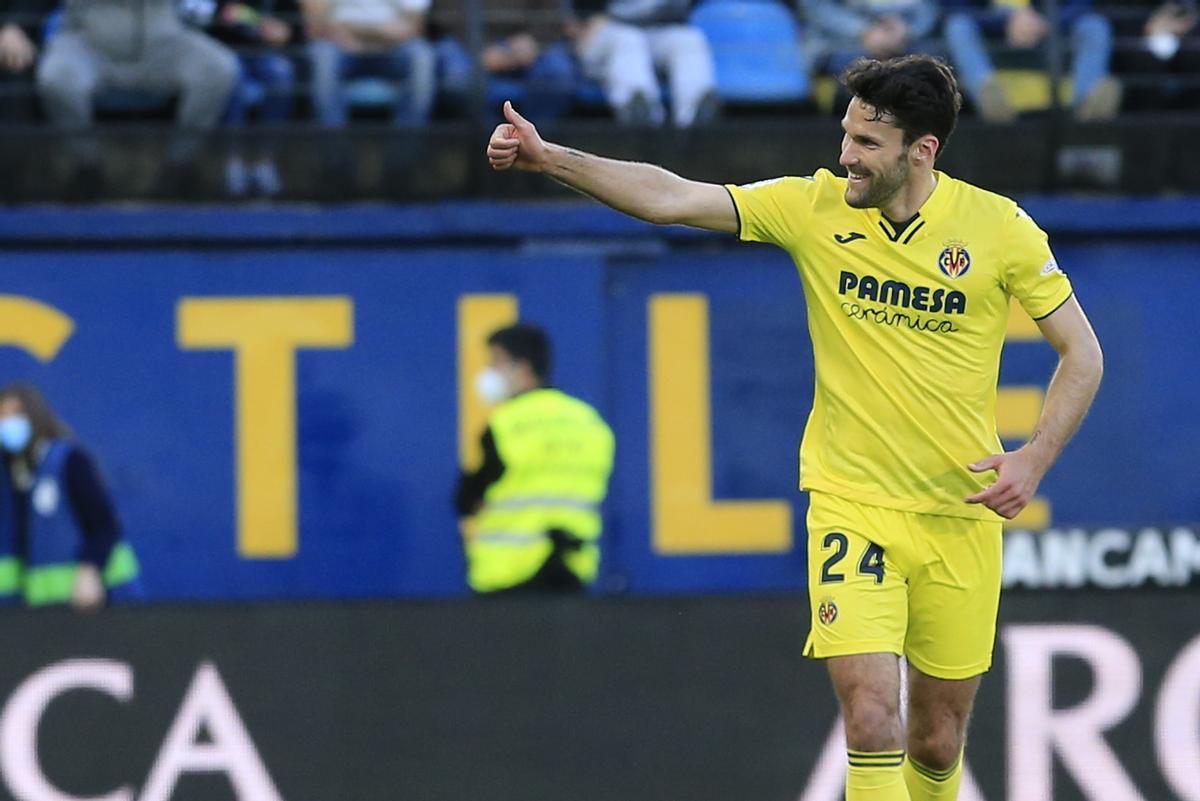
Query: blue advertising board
{"x": 285, "y": 421}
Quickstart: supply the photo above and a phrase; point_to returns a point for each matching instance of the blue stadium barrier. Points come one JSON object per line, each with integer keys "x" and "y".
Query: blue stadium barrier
{"x": 106, "y": 296}
{"x": 492, "y": 220}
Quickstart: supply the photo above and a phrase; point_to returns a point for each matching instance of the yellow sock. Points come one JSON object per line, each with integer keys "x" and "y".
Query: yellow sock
{"x": 927, "y": 784}
{"x": 875, "y": 776}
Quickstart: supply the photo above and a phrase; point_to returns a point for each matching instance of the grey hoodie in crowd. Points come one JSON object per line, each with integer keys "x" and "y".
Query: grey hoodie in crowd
{"x": 140, "y": 45}
{"x": 119, "y": 29}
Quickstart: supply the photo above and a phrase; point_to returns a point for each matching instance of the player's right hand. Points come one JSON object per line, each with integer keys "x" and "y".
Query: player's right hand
{"x": 516, "y": 143}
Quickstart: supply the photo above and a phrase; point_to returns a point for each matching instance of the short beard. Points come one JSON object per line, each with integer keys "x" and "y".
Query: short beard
{"x": 884, "y": 186}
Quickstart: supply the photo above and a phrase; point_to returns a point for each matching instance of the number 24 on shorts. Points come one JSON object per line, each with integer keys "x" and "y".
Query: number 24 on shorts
{"x": 870, "y": 564}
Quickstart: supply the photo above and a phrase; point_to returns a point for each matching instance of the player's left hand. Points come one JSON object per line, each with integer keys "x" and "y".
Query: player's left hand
{"x": 1018, "y": 474}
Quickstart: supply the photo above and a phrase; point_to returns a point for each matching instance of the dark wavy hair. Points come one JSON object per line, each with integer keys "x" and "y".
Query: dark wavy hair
{"x": 45, "y": 423}
{"x": 525, "y": 342}
{"x": 919, "y": 93}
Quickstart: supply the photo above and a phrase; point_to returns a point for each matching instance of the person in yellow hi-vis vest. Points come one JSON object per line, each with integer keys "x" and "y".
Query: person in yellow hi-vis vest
{"x": 534, "y": 502}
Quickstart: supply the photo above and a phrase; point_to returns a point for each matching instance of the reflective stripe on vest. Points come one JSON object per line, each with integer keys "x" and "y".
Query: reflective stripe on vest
{"x": 557, "y": 455}
{"x": 10, "y": 577}
{"x": 54, "y": 538}
{"x": 545, "y": 501}
{"x": 511, "y": 539}
{"x": 53, "y": 584}
{"x": 10, "y": 564}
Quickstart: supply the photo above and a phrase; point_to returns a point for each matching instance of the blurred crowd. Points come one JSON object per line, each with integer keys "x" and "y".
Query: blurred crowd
{"x": 266, "y": 63}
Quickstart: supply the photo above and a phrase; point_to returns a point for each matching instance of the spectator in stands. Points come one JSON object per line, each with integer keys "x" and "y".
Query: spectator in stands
{"x": 968, "y": 29}
{"x": 384, "y": 38}
{"x": 524, "y": 52}
{"x": 20, "y": 30}
{"x": 1167, "y": 28}
{"x": 114, "y": 44}
{"x": 839, "y": 31}
{"x": 1170, "y": 50}
{"x": 624, "y": 44}
{"x": 534, "y": 502}
{"x": 68, "y": 543}
{"x": 261, "y": 29}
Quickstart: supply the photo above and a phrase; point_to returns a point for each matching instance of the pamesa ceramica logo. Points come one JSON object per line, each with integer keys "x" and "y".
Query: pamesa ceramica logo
{"x": 893, "y": 303}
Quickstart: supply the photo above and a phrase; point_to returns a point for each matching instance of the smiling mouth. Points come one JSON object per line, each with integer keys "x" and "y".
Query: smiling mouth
{"x": 856, "y": 178}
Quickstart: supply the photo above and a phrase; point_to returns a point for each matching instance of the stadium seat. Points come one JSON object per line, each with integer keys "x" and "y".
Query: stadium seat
{"x": 1029, "y": 90}
{"x": 756, "y": 47}
{"x": 825, "y": 93}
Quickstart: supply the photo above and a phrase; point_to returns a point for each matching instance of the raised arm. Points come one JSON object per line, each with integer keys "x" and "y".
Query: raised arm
{"x": 1080, "y": 366}
{"x": 644, "y": 191}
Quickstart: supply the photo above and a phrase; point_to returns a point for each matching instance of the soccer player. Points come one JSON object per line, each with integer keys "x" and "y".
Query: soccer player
{"x": 908, "y": 275}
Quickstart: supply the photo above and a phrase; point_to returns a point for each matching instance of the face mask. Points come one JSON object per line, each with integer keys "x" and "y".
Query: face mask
{"x": 15, "y": 432}
{"x": 492, "y": 386}
{"x": 1164, "y": 44}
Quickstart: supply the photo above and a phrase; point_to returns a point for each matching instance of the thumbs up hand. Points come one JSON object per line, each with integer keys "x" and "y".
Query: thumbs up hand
{"x": 516, "y": 143}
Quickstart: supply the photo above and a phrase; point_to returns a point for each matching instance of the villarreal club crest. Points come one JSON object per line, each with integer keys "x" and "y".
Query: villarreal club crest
{"x": 827, "y": 612}
{"x": 954, "y": 260}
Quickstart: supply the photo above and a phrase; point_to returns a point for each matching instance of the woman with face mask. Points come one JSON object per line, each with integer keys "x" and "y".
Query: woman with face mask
{"x": 66, "y": 545}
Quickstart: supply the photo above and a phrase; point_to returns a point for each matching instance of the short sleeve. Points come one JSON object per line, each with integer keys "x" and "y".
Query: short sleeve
{"x": 773, "y": 211}
{"x": 1031, "y": 274}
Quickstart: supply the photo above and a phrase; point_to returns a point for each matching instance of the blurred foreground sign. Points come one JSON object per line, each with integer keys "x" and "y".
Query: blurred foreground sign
{"x": 207, "y": 735}
{"x": 1094, "y": 696}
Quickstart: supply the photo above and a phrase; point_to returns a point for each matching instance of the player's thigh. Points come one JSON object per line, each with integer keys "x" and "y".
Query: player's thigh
{"x": 868, "y": 692}
{"x": 938, "y": 711}
{"x": 953, "y": 599}
{"x": 856, "y": 588}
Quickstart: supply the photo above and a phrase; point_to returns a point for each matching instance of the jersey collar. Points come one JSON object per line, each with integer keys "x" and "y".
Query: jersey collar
{"x": 937, "y": 201}
{"x": 929, "y": 213}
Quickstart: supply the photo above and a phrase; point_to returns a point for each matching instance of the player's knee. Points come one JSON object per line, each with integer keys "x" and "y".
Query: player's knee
{"x": 872, "y": 724}
{"x": 937, "y": 750}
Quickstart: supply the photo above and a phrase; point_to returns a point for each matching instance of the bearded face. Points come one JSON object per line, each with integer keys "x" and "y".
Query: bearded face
{"x": 867, "y": 188}
{"x": 874, "y": 155}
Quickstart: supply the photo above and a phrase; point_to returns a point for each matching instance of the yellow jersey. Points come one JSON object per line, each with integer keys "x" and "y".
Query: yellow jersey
{"x": 907, "y": 323}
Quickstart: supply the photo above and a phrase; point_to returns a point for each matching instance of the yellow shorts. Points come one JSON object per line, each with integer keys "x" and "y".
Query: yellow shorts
{"x": 923, "y": 586}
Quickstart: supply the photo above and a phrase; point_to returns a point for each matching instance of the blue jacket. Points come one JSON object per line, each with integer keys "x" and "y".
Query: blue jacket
{"x": 52, "y": 536}
{"x": 10, "y": 564}
{"x": 59, "y": 535}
